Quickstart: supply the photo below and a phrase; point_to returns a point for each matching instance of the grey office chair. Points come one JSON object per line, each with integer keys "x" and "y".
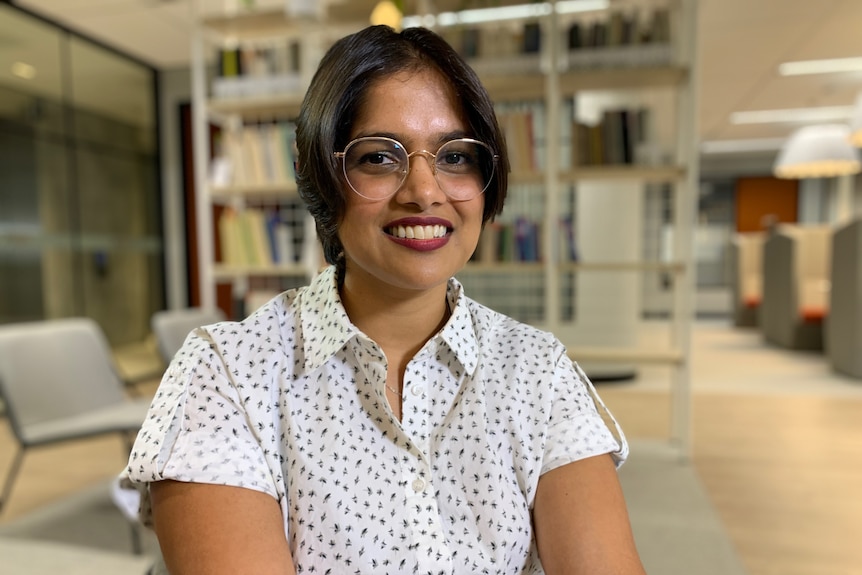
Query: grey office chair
{"x": 59, "y": 383}
{"x": 171, "y": 327}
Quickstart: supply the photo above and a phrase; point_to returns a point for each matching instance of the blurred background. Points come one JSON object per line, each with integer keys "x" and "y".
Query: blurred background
{"x": 685, "y": 214}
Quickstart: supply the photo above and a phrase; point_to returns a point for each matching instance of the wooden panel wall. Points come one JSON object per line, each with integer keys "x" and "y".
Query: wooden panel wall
{"x": 761, "y": 198}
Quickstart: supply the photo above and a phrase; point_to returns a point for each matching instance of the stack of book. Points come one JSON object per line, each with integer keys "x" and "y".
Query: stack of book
{"x": 521, "y": 129}
{"x": 255, "y": 237}
{"x": 257, "y": 70}
{"x": 260, "y": 154}
{"x": 625, "y": 36}
{"x": 521, "y": 241}
{"x": 616, "y": 140}
{"x": 621, "y": 39}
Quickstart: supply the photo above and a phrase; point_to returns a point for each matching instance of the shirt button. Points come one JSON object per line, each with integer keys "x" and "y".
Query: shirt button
{"x": 416, "y": 390}
{"x": 418, "y": 485}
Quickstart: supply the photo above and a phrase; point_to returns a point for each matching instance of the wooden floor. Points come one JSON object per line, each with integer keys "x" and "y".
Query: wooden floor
{"x": 784, "y": 471}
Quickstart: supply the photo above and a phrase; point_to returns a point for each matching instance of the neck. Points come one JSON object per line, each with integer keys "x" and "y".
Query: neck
{"x": 399, "y": 322}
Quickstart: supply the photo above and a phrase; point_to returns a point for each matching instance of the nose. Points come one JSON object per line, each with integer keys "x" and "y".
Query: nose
{"x": 420, "y": 185}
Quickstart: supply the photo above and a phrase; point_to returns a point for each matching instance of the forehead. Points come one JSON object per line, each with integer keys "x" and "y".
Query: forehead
{"x": 409, "y": 99}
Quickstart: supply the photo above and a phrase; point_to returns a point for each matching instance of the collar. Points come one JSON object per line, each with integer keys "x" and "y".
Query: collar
{"x": 326, "y": 328}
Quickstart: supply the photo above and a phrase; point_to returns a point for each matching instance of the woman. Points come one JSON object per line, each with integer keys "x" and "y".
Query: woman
{"x": 378, "y": 420}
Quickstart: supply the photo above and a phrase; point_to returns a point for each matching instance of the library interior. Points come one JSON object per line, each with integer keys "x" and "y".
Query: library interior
{"x": 684, "y": 213}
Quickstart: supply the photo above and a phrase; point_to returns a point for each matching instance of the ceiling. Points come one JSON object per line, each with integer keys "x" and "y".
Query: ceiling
{"x": 740, "y": 43}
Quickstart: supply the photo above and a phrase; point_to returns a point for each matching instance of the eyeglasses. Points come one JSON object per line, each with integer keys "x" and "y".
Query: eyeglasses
{"x": 375, "y": 167}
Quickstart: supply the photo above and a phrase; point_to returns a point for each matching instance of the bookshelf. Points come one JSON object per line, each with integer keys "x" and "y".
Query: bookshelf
{"x": 250, "y": 68}
{"x": 564, "y": 217}
{"x": 552, "y": 78}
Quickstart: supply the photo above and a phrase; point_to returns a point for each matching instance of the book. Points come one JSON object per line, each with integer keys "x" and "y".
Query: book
{"x": 532, "y": 38}
{"x": 575, "y": 36}
{"x": 470, "y": 41}
{"x": 252, "y": 155}
{"x": 229, "y": 238}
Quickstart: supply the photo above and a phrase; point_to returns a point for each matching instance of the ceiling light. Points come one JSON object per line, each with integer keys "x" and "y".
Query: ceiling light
{"x": 829, "y": 66}
{"x": 23, "y": 70}
{"x": 824, "y": 114}
{"x": 856, "y": 123}
{"x": 819, "y": 151}
{"x": 387, "y": 13}
{"x": 503, "y": 13}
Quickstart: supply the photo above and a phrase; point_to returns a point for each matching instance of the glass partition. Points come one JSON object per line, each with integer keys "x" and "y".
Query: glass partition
{"x": 80, "y": 226}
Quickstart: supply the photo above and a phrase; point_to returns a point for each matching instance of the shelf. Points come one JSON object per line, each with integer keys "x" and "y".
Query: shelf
{"x": 623, "y": 78}
{"x": 269, "y": 23}
{"x": 250, "y": 25}
{"x": 572, "y": 267}
{"x": 515, "y": 86}
{"x": 276, "y": 105}
{"x": 642, "y": 266}
{"x": 647, "y": 174}
{"x": 531, "y": 85}
{"x": 503, "y": 267}
{"x": 626, "y": 355}
{"x": 223, "y": 272}
{"x": 653, "y": 174}
{"x": 279, "y": 190}
{"x": 521, "y": 177}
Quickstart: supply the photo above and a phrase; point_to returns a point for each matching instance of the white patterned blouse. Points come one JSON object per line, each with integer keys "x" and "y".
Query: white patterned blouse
{"x": 291, "y": 402}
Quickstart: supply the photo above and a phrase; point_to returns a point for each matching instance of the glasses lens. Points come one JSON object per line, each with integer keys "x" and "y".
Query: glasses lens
{"x": 375, "y": 167}
{"x": 464, "y": 168}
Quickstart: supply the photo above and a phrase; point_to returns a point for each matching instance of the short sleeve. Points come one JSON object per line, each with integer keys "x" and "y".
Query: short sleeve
{"x": 580, "y": 424}
{"x": 197, "y": 429}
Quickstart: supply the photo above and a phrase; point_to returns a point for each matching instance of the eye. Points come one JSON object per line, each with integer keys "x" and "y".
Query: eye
{"x": 378, "y": 158}
{"x": 458, "y": 157}
{"x": 375, "y": 156}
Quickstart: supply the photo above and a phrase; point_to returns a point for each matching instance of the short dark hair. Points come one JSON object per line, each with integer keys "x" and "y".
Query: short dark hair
{"x": 336, "y": 93}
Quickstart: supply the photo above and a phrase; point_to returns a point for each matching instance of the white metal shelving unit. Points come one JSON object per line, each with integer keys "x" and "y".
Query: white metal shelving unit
{"x": 235, "y": 28}
{"x": 551, "y": 83}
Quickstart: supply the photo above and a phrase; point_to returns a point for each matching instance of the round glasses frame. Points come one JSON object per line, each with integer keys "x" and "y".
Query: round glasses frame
{"x": 430, "y": 157}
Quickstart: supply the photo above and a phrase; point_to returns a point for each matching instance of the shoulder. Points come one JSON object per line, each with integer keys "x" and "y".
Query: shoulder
{"x": 498, "y": 329}
{"x": 261, "y": 334}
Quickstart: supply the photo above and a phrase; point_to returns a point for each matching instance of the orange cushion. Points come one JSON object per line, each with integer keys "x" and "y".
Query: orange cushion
{"x": 813, "y": 314}
{"x": 752, "y": 302}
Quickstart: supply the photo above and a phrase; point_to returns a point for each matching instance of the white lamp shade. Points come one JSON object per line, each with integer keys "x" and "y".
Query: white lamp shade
{"x": 819, "y": 151}
{"x": 856, "y": 123}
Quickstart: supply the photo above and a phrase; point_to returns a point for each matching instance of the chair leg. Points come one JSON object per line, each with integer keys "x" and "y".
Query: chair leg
{"x": 11, "y": 475}
{"x": 137, "y": 545}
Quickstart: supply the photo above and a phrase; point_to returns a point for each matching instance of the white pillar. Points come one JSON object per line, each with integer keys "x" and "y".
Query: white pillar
{"x": 607, "y": 303}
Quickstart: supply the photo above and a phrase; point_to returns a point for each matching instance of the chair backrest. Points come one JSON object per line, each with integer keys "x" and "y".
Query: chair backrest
{"x": 55, "y": 369}
{"x": 172, "y": 326}
{"x": 844, "y": 328}
{"x": 749, "y": 266}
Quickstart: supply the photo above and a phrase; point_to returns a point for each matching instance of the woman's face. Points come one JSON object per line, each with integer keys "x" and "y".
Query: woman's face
{"x": 418, "y": 109}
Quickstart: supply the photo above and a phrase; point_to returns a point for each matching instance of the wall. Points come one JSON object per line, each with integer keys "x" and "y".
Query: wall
{"x": 174, "y": 89}
{"x": 80, "y": 222}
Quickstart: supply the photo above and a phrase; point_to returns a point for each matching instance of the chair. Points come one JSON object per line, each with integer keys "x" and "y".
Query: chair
{"x": 746, "y": 255}
{"x": 844, "y": 326}
{"x": 171, "y": 326}
{"x": 796, "y": 261}
{"x": 59, "y": 383}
